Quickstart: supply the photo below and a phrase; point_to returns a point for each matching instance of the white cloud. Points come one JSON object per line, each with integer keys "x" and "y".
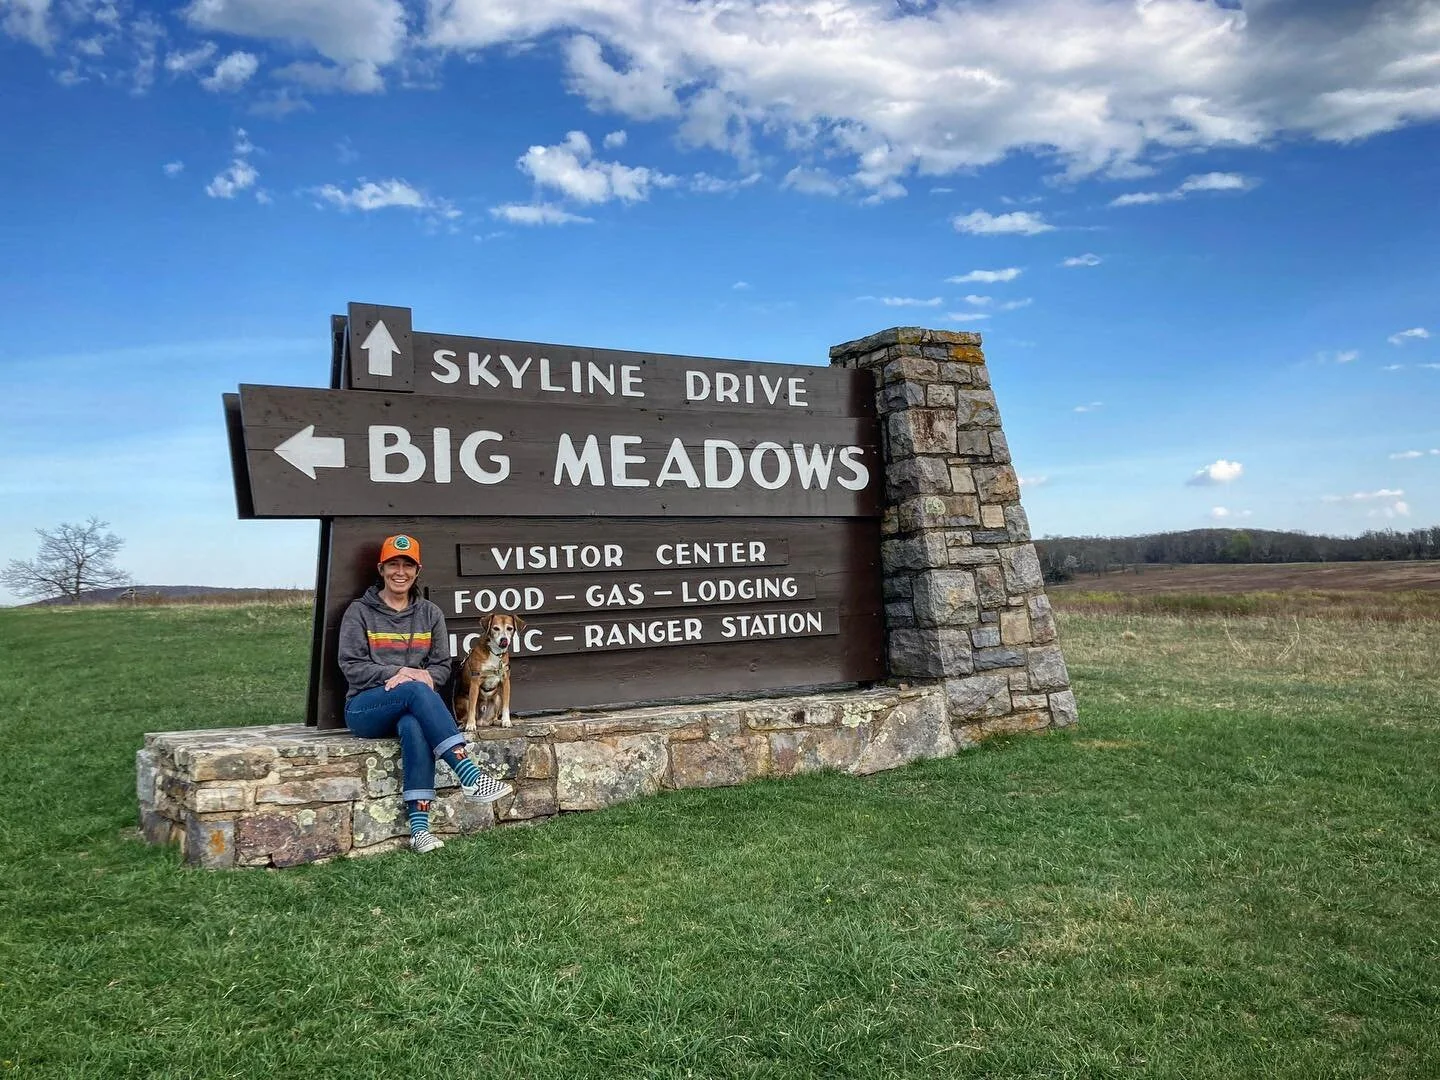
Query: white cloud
{"x": 570, "y": 168}
{"x": 904, "y": 301}
{"x": 231, "y": 73}
{"x": 356, "y": 77}
{"x": 1397, "y": 509}
{"x": 967, "y": 316}
{"x": 183, "y": 63}
{"x": 1032, "y": 481}
{"x": 1218, "y": 472}
{"x": 281, "y": 103}
{"x": 812, "y": 182}
{"x": 1415, "y": 333}
{"x": 233, "y": 180}
{"x": 1015, "y": 305}
{"x": 1090, "y": 407}
{"x": 1365, "y": 496}
{"x": 740, "y": 286}
{"x": 1215, "y": 181}
{"x": 986, "y": 277}
{"x": 1347, "y": 356}
{"x": 1393, "y": 367}
{"x": 240, "y": 175}
{"x": 1431, "y": 367}
{"x": 27, "y": 20}
{"x": 983, "y": 223}
{"x": 640, "y": 93}
{"x": 1221, "y": 513}
{"x": 1083, "y": 260}
{"x": 715, "y": 185}
{"x": 372, "y": 196}
{"x": 370, "y": 30}
{"x": 537, "y": 214}
{"x": 174, "y": 168}
{"x": 1098, "y": 86}
{"x": 978, "y": 301}
{"x": 887, "y": 91}
{"x": 1410, "y": 455}
{"x": 614, "y": 140}
{"x": 1142, "y": 198}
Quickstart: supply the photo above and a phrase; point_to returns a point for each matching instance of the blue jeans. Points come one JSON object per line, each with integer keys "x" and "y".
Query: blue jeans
{"x": 420, "y": 717}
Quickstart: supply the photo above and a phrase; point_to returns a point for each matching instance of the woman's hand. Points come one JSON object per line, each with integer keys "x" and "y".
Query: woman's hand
{"x": 410, "y": 674}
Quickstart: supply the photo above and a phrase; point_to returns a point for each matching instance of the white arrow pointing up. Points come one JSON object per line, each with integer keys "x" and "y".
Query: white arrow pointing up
{"x": 307, "y": 451}
{"x": 380, "y": 349}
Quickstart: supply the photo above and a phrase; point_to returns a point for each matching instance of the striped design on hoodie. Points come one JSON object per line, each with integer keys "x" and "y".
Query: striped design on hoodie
{"x": 381, "y": 642}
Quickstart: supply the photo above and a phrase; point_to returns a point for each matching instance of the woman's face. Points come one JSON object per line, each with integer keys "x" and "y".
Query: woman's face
{"x": 398, "y": 573}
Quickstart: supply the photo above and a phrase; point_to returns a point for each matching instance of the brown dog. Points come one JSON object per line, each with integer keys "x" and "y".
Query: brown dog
{"x": 484, "y": 676}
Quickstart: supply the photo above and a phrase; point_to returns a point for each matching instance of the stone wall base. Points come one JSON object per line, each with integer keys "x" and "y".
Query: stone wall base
{"x": 286, "y": 794}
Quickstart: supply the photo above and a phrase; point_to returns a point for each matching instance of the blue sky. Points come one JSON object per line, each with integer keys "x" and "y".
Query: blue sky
{"x": 1200, "y": 239}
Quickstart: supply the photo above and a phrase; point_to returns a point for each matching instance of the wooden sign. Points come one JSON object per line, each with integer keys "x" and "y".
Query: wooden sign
{"x": 379, "y": 355}
{"x": 668, "y": 527}
{"x": 639, "y": 631}
{"x": 385, "y": 355}
{"x": 328, "y": 453}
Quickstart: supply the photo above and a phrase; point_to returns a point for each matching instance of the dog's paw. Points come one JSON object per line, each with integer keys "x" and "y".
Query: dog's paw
{"x": 505, "y": 718}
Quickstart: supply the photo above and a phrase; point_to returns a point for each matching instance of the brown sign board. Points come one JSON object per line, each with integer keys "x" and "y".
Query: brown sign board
{"x": 379, "y": 355}
{"x": 668, "y": 527}
{"x": 385, "y": 355}
{"x": 329, "y": 453}
{"x": 639, "y": 631}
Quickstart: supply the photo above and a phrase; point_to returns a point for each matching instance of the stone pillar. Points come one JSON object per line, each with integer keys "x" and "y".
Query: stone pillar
{"x": 965, "y": 604}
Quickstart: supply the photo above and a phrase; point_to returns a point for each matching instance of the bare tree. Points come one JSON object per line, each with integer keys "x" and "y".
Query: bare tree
{"x": 73, "y": 559}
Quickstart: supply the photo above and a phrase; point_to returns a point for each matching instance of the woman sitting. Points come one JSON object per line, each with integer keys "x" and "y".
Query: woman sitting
{"x": 395, "y": 655}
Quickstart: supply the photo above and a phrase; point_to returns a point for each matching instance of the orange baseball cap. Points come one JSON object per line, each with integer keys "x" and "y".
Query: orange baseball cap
{"x": 401, "y": 546}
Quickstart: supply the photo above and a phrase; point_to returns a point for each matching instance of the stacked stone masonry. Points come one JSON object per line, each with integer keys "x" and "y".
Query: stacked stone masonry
{"x": 971, "y": 641}
{"x": 965, "y": 604}
{"x": 284, "y": 795}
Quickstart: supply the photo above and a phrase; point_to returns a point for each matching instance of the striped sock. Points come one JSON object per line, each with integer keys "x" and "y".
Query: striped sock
{"x": 464, "y": 768}
{"x": 419, "y": 817}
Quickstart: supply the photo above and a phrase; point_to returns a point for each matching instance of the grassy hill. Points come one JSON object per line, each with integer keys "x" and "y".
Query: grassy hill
{"x": 1231, "y": 868}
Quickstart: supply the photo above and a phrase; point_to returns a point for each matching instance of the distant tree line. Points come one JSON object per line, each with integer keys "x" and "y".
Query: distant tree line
{"x": 1062, "y": 557}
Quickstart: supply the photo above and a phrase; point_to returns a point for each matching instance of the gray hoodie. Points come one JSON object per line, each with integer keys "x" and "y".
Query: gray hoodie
{"x": 376, "y": 641}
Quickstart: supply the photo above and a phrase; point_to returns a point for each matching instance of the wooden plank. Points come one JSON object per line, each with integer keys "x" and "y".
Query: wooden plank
{"x": 338, "y": 370}
{"x": 413, "y": 455}
{"x": 627, "y": 547}
{"x": 620, "y": 631}
{"x": 841, "y": 554}
{"x": 317, "y": 624}
{"x": 239, "y": 464}
{"x": 381, "y": 354}
{"x": 546, "y": 594}
{"x": 501, "y": 370}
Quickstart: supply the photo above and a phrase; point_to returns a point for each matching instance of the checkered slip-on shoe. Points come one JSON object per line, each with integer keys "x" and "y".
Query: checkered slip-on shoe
{"x": 425, "y": 841}
{"x": 486, "y": 789}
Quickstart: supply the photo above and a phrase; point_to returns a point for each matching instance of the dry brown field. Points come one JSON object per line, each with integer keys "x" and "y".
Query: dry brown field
{"x": 1348, "y": 577}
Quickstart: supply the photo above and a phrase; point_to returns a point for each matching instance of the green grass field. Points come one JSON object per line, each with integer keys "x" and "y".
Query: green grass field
{"x": 1230, "y": 869}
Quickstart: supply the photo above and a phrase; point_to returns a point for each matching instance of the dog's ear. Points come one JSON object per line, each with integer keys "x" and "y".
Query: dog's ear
{"x": 519, "y": 623}
{"x": 485, "y": 622}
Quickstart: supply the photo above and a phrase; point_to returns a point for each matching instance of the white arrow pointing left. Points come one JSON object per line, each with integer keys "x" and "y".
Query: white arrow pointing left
{"x": 380, "y": 349}
{"x": 308, "y": 451}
